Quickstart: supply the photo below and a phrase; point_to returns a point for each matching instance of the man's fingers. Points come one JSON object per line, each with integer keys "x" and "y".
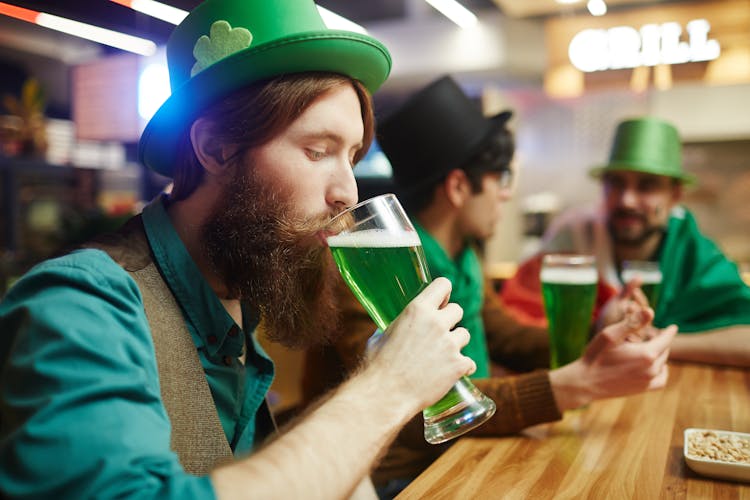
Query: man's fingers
{"x": 660, "y": 380}
{"x": 437, "y": 293}
{"x": 434, "y": 301}
{"x": 632, "y": 290}
{"x": 633, "y": 284}
{"x": 662, "y": 340}
{"x": 636, "y": 318}
{"x": 663, "y": 357}
{"x": 638, "y": 315}
{"x": 451, "y": 314}
{"x": 639, "y": 297}
{"x": 462, "y": 336}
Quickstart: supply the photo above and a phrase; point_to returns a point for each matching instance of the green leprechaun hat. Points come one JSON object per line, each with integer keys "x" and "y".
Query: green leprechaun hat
{"x": 647, "y": 145}
{"x": 224, "y": 45}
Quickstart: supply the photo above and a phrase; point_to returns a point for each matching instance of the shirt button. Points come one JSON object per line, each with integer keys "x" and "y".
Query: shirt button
{"x": 234, "y": 331}
{"x": 227, "y": 360}
{"x": 212, "y": 339}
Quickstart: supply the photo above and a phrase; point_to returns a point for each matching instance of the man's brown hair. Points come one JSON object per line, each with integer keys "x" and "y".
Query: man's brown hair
{"x": 254, "y": 115}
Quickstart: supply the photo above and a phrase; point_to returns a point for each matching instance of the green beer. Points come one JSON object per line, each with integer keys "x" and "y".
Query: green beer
{"x": 385, "y": 273}
{"x": 650, "y": 281}
{"x": 569, "y": 296}
{"x": 380, "y": 257}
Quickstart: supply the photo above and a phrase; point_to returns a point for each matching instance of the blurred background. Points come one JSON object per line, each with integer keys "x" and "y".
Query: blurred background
{"x": 74, "y": 102}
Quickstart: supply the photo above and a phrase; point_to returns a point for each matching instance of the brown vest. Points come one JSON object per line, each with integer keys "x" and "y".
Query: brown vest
{"x": 197, "y": 435}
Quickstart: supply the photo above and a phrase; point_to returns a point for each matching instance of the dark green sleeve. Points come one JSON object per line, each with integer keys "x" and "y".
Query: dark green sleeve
{"x": 701, "y": 289}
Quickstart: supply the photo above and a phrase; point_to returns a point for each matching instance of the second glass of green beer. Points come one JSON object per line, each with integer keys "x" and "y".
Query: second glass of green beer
{"x": 650, "y": 275}
{"x": 380, "y": 257}
{"x": 569, "y": 292}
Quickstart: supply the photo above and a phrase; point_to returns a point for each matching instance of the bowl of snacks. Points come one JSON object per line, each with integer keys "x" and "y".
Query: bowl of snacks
{"x": 716, "y": 453}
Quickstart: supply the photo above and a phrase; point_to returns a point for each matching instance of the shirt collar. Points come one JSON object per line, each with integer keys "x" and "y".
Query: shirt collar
{"x": 201, "y": 307}
{"x": 441, "y": 264}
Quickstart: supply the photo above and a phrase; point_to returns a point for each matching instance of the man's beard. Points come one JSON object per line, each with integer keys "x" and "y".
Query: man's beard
{"x": 274, "y": 261}
{"x": 632, "y": 239}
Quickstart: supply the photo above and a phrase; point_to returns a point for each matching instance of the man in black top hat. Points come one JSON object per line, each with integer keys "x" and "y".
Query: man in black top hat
{"x": 452, "y": 169}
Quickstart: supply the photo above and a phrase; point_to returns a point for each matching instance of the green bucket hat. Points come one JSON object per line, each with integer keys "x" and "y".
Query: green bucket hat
{"x": 647, "y": 145}
{"x": 224, "y": 45}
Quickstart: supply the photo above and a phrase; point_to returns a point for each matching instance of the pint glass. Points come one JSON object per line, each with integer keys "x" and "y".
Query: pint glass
{"x": 650, "y": 275}
{"x": 380, "y": 257}
{"x": 569, "y": 292}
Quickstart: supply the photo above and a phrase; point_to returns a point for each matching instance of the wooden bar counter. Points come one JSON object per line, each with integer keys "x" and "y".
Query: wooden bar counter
{"x": 618, "y": 448}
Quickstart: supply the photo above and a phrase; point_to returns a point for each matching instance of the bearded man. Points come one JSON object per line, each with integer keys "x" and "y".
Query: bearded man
{"x": 130, "y": 367}
{"x": 641, "y": 219}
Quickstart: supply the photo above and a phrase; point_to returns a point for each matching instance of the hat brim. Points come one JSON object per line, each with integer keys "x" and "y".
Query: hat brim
{"x": 357, "y": 56}
{"x": 496, "y": 123}
{"x": 501, "y": 118}
{"x": 683, "y": 177}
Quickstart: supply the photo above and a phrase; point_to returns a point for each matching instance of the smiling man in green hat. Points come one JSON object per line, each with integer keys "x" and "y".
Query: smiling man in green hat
{"x": 642, "y": 219}
{"x": 130, "y": 367}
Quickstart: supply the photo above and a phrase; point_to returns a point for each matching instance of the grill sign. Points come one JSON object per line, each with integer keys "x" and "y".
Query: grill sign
{"x": 626, "y": 47}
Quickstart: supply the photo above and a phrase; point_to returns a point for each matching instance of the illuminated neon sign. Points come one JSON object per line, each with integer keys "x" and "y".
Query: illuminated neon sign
{"x": 626, "y": 47}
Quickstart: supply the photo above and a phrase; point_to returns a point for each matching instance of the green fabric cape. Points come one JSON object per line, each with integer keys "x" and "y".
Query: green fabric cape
{"x": 465, "y": 272}
{"x": 701, "y": 288}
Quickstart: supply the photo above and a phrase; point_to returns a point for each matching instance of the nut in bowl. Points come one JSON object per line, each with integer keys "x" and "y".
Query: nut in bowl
{"x": 721, "y": 454}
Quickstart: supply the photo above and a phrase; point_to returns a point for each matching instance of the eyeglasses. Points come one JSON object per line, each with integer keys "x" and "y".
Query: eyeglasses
{"x": 505, "y": 179}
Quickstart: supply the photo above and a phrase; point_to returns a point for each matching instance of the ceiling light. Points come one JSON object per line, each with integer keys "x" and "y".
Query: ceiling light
{"x": 455, "y": 12}
{"x": 96, "y": 34}
{"x": 597, "y": 7}
{"x": 82, "y": 30}
{"x": 159, "y": 10}
{"x": 174, "y": 15}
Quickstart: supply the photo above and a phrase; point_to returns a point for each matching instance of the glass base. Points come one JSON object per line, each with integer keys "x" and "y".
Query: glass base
{"x": 470, "y": 409}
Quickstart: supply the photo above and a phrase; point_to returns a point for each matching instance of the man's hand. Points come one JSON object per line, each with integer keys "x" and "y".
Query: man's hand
{"x": 420, "y": 354}
{"x": 614, "y": 310}
{"x": 614, "y": 364}
{"x": 332, "y": 448}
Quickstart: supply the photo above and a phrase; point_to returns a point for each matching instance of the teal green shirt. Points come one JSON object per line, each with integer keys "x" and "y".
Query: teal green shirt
{"x": 465, "y": 273}
{"x": 81, "y": 413}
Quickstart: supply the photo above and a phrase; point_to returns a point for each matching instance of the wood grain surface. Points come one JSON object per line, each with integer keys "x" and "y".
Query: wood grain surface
{"x": 618, "y": 448}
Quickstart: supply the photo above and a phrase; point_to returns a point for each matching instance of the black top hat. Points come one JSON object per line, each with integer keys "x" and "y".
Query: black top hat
{"x": 437, "y": 130}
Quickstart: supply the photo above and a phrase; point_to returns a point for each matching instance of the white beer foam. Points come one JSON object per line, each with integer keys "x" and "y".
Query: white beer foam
{"x": 653, "y": 276}
{"x": 569, "y": 276}
{"x": 375, "y": 238}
